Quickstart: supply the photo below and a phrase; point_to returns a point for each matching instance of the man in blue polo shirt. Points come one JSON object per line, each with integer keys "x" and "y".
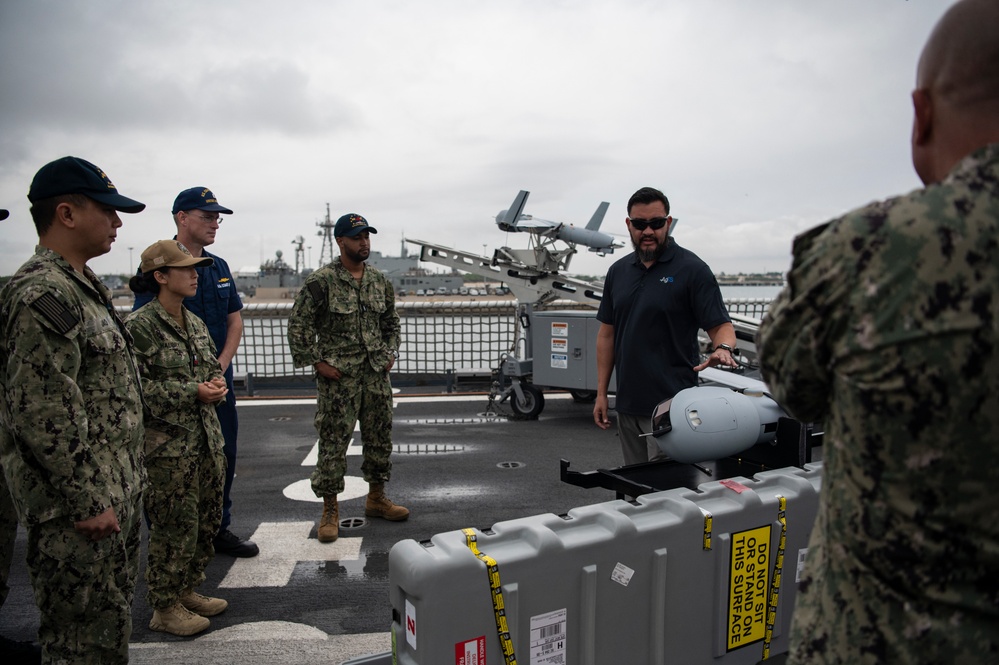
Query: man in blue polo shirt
{"x": 196, "y": 212}
{"x": 655, "y": 300}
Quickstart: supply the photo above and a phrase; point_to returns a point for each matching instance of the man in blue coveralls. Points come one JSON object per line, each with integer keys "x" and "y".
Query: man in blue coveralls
{"x": 196, "y": 212}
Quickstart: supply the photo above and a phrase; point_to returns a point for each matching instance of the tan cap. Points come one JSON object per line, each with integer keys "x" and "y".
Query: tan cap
{"x": 170, "y": 254}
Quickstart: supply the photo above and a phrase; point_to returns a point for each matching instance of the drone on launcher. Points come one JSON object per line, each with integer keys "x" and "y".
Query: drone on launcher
{"x": 545, "y": 232}
{"x": 536, "y": 274}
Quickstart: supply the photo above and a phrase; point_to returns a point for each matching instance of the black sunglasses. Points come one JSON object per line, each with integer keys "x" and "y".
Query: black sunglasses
{"x": 655, "y": 223}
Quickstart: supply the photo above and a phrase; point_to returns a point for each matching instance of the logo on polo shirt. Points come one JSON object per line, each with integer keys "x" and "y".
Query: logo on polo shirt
{"x": 666, "y": 280}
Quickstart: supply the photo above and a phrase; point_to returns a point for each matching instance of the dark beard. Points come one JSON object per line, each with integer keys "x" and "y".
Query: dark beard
{"x": 650, "y": 255}
{"x": 356, "y": 257}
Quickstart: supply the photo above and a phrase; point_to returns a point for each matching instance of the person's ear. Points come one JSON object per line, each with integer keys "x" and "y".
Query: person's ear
{"x": 65, "y": 214}
{"x": 922, "y": 119}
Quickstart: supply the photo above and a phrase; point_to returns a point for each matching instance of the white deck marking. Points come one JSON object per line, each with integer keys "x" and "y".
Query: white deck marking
{"x": 282, "y": 546}
{"x": 261, "y": 642}
{"x": 353, "y": 487}
{"x": 354, "y": 448}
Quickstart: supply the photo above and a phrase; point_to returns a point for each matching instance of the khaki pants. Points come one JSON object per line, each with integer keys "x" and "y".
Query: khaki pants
{"x": 637, "y": 448}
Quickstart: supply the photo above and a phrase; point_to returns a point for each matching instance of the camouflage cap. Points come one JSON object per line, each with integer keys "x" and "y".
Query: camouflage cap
{"x": 170, "y": 254}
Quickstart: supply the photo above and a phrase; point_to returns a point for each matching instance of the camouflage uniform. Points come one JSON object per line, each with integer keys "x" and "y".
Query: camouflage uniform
{"x": 183, "y": 450}
{"x": 355, "y": 328}
{"x": 888, "y": 332}
{"x": 8, "y": 533}
{"x": 72, "y": 412}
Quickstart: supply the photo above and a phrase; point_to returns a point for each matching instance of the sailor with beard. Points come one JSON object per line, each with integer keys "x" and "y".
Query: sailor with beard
{"x": 655, "y": 300}
{"x": 345, "y": 326}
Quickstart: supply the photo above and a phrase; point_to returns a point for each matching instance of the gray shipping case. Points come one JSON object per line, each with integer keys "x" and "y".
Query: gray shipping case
{"x": 680, "y": 576}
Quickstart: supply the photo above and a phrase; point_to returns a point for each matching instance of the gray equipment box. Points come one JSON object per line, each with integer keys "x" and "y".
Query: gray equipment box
{"x": 564, "y": 345}
{"x": 681, "y": 576}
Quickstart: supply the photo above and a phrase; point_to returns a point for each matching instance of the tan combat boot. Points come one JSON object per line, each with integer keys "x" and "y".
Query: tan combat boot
{"x": 178, "y": 620}
{"x": 379, "y": 505}
{"x": 203, "y": 605}
{"x": 329, "y": 523}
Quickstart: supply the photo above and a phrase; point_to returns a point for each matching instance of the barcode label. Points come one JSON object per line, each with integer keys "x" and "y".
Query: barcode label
{"x": 548, "y": 638}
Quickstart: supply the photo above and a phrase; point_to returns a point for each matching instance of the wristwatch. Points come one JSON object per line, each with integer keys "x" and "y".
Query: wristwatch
{"x": 728, "y": 348}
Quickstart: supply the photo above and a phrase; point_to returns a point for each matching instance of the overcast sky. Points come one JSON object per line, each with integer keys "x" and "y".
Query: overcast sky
{"x": 757, "y": 119}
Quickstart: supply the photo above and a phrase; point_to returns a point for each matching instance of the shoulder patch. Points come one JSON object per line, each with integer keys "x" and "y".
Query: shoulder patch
{"x": 55, "y": 312}
{"x": 140, "y": 339}
{"x": 316, "y": 291}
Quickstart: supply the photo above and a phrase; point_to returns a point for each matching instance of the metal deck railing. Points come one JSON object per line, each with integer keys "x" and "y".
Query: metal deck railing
{"x": 438, "y": 338}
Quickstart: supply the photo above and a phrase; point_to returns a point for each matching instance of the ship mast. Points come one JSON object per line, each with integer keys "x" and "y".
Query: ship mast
{"x": 326, "y": 232}
{"x": 298, "y": 243}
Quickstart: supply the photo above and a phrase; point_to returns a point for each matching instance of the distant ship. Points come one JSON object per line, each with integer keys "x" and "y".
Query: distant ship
{"x": 276, "y": 278}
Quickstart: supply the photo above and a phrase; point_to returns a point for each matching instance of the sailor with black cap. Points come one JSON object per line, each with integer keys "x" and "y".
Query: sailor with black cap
{"x": 72, "y": 418}
{"x": 8, "y": 536}
{"x": 345, "y": 326}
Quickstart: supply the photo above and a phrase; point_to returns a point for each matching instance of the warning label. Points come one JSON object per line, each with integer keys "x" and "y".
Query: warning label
{"x": 560, "y": 361}
{"x": 560, "y": 329}
{"x": 748, "y": 584}
{"x": 559, "y": 344}
{"x": 472, "y": 652}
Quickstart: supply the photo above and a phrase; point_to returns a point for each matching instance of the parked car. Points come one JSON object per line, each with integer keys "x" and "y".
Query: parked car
{"x": 421, "y": 292}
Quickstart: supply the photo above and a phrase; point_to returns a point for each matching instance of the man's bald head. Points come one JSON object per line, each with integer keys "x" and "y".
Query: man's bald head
{"x": 957, "y": 96}
{"x": 961, "y": 58}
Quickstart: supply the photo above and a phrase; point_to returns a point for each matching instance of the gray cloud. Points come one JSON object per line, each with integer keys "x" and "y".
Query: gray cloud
{"x": 758, "y": 119}
{"x": 75, "y": 69}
